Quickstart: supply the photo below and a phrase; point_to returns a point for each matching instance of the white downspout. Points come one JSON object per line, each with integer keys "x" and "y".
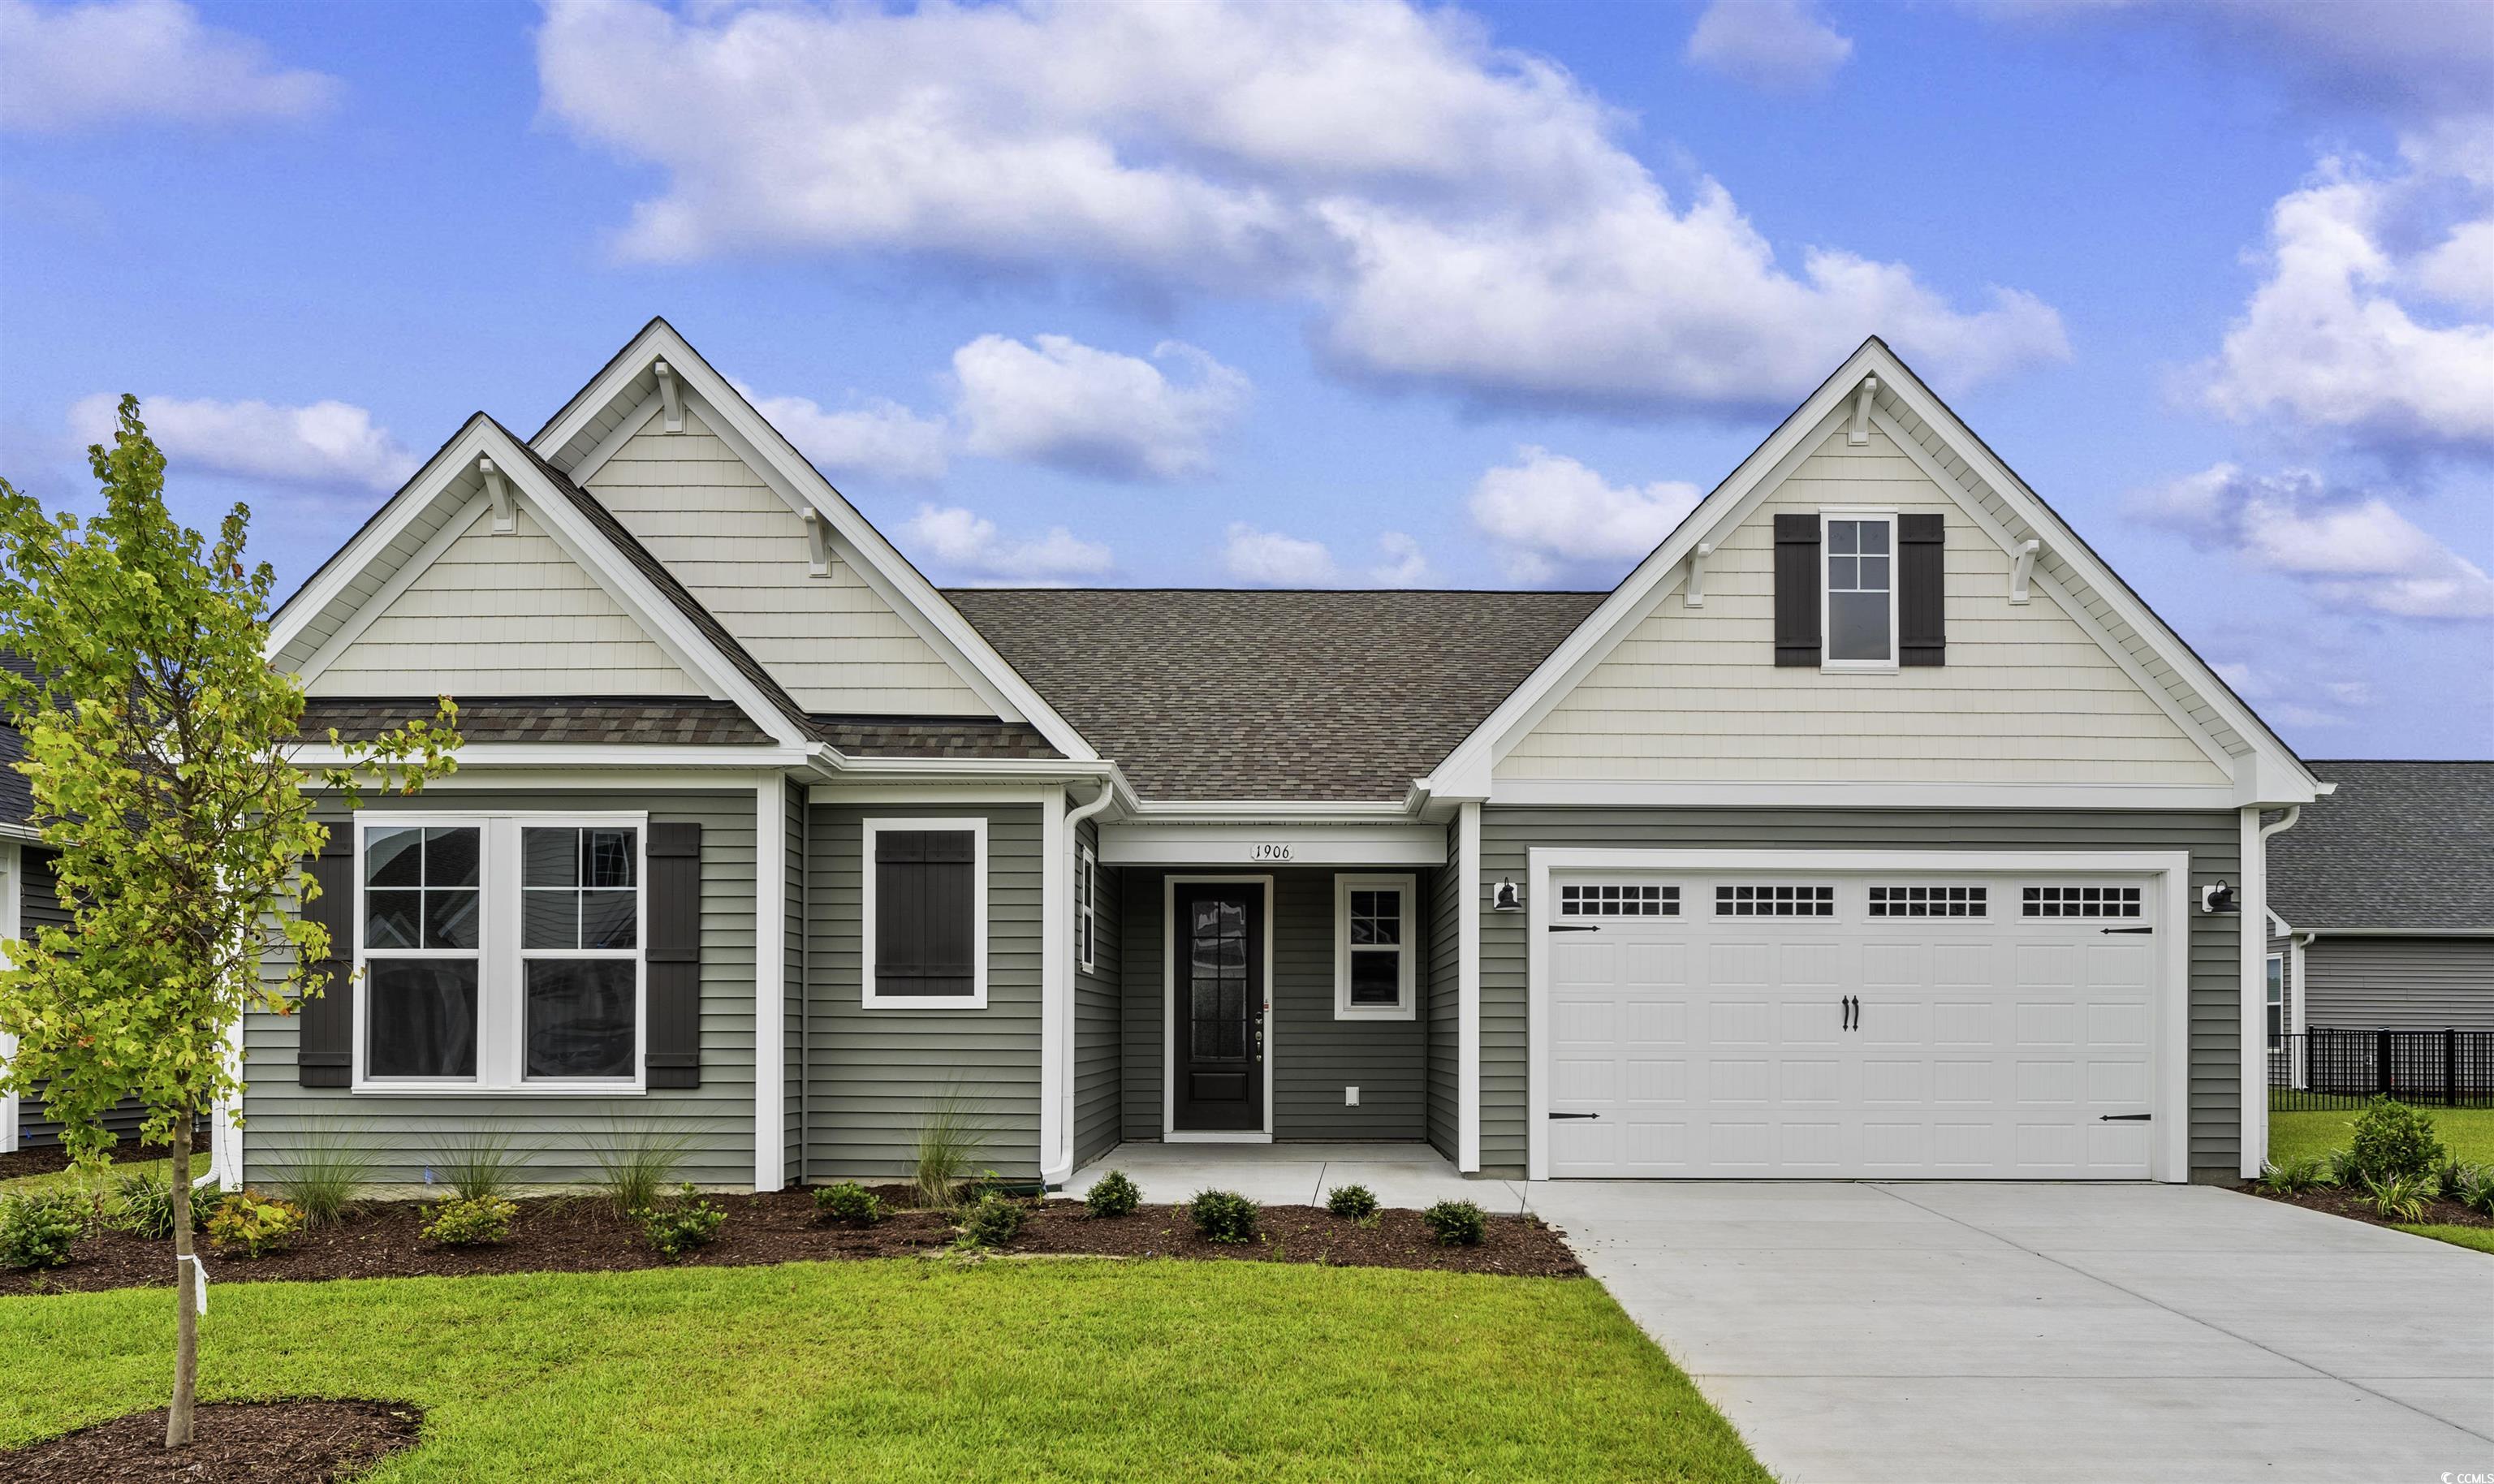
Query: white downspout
{"x": 2253, "y": 910}
{"x": 1058, "y": 1028}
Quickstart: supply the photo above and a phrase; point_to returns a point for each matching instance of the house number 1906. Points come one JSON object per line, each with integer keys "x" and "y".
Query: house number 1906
{"x": 1268, "y": 852}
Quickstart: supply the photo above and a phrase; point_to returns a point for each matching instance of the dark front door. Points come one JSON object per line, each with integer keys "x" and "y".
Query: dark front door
{"x": 1218, "y": 1024}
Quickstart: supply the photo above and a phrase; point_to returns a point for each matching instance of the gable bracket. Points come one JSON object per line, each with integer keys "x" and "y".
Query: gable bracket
{"x": 1695, "y": 594}
{"x": 818, "y": 543}
{"x": 1858, "y": 434}
{"x": 671, "y": 392}
{"x": 499, "y": 489}
{"x": 2021, "y": 569}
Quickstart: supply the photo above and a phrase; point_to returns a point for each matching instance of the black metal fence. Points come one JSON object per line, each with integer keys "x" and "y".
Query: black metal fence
{"x": 2324, "y": 1067}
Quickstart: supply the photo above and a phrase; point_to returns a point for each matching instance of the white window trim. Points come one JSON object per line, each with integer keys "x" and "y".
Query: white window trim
{"x": 1827, "y": 663}
{"x": 501, "y": 1000}
{"x": 977, "y": 998}
{"x": 1405, "y": 952}
{"x": 1086, "y": 910}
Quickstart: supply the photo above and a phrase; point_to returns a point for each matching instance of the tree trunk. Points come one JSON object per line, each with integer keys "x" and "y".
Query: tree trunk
{"x": 186, "y": 1306}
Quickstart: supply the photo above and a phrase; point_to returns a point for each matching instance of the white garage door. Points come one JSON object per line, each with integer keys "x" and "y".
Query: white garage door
{"x": 1874, "y": 1026}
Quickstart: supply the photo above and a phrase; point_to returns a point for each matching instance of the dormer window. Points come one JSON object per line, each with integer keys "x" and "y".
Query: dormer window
{"x": 1861, "y": 591}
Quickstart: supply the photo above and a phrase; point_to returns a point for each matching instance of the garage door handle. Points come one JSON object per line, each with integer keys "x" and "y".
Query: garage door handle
{"x": 2125, "y": 1117}
{"x": 1575, "y": 927}
{"x": 2125, "y": 929}
{"x": 1575, "y": 1115}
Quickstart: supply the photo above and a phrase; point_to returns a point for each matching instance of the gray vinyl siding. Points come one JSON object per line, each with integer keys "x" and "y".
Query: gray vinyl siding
{"x": 2402, "y": 983}
{"x": 1314, "y": 1055}
{"x": 793, "y": 945}
{"x": 39, "y": 906}
{"x": 1097, "y": 1033}
{"x": 2213, "y": 840}
{"x": 872, "y": 1075}
{"x": 557, "y": 1133}
{"x": 1444, "y": 1008}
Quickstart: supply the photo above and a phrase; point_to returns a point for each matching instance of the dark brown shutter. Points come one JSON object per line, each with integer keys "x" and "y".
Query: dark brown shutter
{"x": 325, "y": 1032}
{"x": 1796, "y": 583}
{"x": 1922, "y": 596}
{"x": 924, "y": 912}
{"x": 673, "y": 951}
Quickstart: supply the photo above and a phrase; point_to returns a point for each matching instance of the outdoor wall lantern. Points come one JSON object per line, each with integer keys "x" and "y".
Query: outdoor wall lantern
{"x": 2218, "y": 899}
{"x": 1503, "y": 896}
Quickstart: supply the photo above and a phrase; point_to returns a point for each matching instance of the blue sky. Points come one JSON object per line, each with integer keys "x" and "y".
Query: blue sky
{"x": 1299, "y": 295}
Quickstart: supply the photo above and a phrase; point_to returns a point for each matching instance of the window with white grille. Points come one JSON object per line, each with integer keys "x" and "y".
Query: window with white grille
{"x": 1772, "y": 900}
{"x": 1612, "y": 898}
{"x": 2082, "y": 901}
{"x": 1930, "y": 901}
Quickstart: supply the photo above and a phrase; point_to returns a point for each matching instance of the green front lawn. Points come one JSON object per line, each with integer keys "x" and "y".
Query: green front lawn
{"x": 907, "y": 1369}
{"x": 2482, "y": 1238}
{"x": 98, "y": 1183}
{"x": 2468, "y": 1133}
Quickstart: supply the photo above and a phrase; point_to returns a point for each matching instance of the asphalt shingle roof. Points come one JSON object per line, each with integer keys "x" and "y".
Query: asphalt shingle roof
{"x": 681, "y": 721}
{"x": 969, "y": 737}
{"x": 1202, "y": 694}
{"x": 2401, "y": 845}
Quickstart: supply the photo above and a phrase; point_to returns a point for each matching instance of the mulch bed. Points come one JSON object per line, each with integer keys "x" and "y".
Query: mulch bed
{"x": 232, "y": 1443}
{"x": 577, "y": 1234}
{"x": 45, "y": 1162}
{"x": 2339, "y": 1202}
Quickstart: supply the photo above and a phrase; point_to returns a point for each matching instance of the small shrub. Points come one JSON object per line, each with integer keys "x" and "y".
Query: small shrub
{"x": 681, "y": 1225}
{"x": 471, "y": 1221}
{"x": 2393, "y": 1140}
{"x": 993, "y": 1222}
{"x": 1113, "y": 1194}
{"x": 2472, "y": 1187}
{"x": 484, "y": 1167}
{"x": 2338, "y": 1167}
{"x": 2402, "y": 1198}
{"x": 1352, "y": 1203}
{"x": 848, "y": 1202}
{"x": 253, "y": 1225}
{"x": 326, "y": 1178}
{"x": 1457, "y": 1222}
{"x": 2293, "y": 1177}
{"x": 38, "y": 1227}
{"x": 635, "y": 1165}
{"x": 1224, "y": 1215}
{"x": 141, "y": 1204}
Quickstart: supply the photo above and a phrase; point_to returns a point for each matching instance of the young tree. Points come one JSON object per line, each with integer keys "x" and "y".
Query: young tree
{"x": 158, "y": 745}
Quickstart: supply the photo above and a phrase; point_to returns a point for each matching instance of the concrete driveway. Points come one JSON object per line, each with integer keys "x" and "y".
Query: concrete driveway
{"x": 1991, "y": 1333}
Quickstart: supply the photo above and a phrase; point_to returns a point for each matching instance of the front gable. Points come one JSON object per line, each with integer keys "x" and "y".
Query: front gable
{"x": 2025, "y": 693}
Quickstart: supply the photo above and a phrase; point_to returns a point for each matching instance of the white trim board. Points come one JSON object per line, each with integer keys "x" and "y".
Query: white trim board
{"x": 1171, "y": 1133}
{"x": 1272, "y": 845}
{"x": 2171, "y": 1148}
{"x": 770, "y": 982}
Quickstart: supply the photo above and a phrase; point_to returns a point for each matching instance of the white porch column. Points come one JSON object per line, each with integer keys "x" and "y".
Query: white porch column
{"x": 2251, "y": 897}
{"x": 770, "y": 983}
{"x": 1055, "y": 993}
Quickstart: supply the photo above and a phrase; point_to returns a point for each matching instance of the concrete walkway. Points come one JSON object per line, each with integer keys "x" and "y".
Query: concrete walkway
{"x": 2135, "y": 1334}
{"x": 1412, "y": 1175}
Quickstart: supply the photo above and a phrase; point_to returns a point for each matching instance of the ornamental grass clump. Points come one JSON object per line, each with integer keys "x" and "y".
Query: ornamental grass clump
{"x": 2403, "y": 1197}
{"x": 141, "y": 1204}
{"x": 1224, "y": 1216}
{"x": 326, "y": 1176}
{"x": 1457, "y": 1222}
{"x": 949, "y": 1137}
{"x": 2293, "y": 1177}
{"x": 1112, "y": 1195}
{"x": 848, "y": 1202}
{"x": 1352, "y": 1203}
{"x": 38, "y": 1227}
{"x": 470, "y": 1222}
{"x": 634, "y": 1164}
{"x": 484, "y": 1167}
{"x": 2472, "y": 1185}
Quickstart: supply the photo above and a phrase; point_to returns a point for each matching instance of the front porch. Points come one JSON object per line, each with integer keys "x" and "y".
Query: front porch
{"x": 1407, "y": 1175}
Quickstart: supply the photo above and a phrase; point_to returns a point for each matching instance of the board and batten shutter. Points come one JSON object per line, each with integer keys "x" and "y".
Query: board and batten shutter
{"x": 325, "y": 1032}
{"x": 1922, "y": 596}
{"x": 1797, "y": 580}
{"x": 924, "y": 912}
{"x": 674, "y": 953}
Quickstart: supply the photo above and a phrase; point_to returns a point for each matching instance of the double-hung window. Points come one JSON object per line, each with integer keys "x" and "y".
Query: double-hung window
{"x": 924, "y": 923}
{"x": 1373, "y": 948}
{"x": 2276, "y": 998}
{"x": 1086, "y": 908}
{"x": 500, "y": 953}
{"x": 1860, "y": 617}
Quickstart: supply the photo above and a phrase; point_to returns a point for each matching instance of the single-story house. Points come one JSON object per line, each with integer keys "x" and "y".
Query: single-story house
{"x": 1869, "y": 828}
{"x": 2380, "y": 906}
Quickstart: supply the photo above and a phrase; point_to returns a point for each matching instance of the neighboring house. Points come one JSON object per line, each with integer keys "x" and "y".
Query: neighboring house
{"x": 1861, "y": 830}
{"x": 2382, "y": 901}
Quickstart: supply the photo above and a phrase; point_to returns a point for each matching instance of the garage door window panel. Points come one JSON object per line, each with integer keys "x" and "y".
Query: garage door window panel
{"x": 1930, "y": 901}
{"x": 1775, "y": 899}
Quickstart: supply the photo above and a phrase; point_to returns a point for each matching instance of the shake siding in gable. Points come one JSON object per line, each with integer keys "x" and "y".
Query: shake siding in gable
{"x": 1694, "y": 693}
{"x": 503, "y": 614}
{"x": 831, "y": 641}
{"x": 2215, "y": 991}
{"x": 559, "y": 1132}
{"x": 872, "y": 1076}
{"x": 1097, "y": 1033}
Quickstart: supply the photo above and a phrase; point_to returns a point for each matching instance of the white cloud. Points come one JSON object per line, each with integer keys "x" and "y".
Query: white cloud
{"x": 2299, "y": 700}
{"x": 968, "y": 543}
{"x": 2355, "y": 551}
{"x": 1458, "y": 214}
{"x": 2335, "y": 338}
{"x": 121, "y": 61}
{"x": 1061, "y": 403}
{"x": 1401, "y": 564}
{"x": 1767, "y": 44}
{"x": 1550, "y": 513}
{"x": 1272, "y": 559}
{"x": 875, "y": 437}
{"x": 326, "y": 444}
